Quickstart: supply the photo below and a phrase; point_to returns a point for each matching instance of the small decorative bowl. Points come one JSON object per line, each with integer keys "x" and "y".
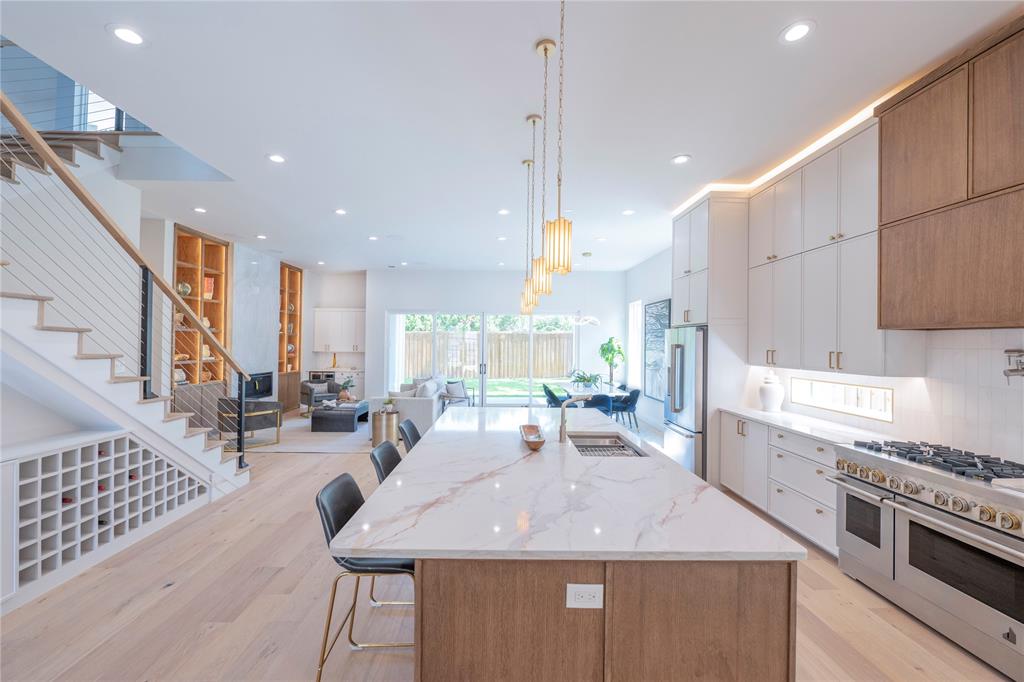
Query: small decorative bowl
{"x": 532, "y": 435}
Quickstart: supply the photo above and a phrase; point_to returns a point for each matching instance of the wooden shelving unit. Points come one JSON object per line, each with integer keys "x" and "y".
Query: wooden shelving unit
{"x": 289, "y": 344}
{"x": 202, "y": 263}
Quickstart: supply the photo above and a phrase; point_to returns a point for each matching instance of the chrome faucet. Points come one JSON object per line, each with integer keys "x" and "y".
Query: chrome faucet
{"x": 562, "y": 437}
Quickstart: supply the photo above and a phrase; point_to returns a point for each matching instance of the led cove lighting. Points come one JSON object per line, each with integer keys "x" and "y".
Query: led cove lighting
{"x": 680, "y": 159}
{"x": 340, "y": 211}
{"x": 128, "y": 35}
{"x": 797, "y": 31}
{"x": 199, "y": 209}
{"x": 276, "y": 158}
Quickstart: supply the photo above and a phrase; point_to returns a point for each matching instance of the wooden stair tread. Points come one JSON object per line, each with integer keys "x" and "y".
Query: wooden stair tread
{"x": 126, "y": 379}
{"x": 175, "y": 416}
{"x": 23, "y": 296}
{"x": 99, "y": 356}
{"x": 195, "y": 431}
{"x": 214, "y": 443}
{"x": 58, "y": 328}
{"x": 157, "y": 399}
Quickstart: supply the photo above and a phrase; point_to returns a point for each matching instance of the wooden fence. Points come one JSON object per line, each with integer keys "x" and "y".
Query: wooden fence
{"x": 458, "y": 354}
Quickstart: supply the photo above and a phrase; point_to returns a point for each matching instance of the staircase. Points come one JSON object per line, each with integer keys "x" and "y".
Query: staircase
{"x": 15, "y": 151}
{"x": 57, "y": 353}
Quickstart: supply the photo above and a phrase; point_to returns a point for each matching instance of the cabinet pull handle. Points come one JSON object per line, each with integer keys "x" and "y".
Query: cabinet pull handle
{"x": 820, "y": 449}
{"x": 840, "y": 235}
{"x": 819, "y": 472}
{"x": 839, "y": 359}
{"x": 818, "y": 511}
{"x": 831, "y": 237}
{"x": 768, "y": 257}
{"x": 766, "y": 360}
{"x": 738, "y": 428}
{"x": 779, "y": 455}
{"x": 743, "y": 430}
{"x": 830, "y": 363}
{"x": 779, "y": 435}
{"x": 778, "y": 490}
{"x": 773, "y": 356}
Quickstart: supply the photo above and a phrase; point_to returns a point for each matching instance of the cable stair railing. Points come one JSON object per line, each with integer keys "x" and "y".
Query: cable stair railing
{"x": 61, "y": 248}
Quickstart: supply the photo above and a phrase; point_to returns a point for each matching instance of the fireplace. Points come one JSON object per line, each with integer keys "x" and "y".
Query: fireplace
{"x": 259, "y": 385}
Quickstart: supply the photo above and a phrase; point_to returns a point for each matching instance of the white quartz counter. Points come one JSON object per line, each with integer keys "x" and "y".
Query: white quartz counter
{"x": 811, "y": 426}
{"x": 471, "y": 489}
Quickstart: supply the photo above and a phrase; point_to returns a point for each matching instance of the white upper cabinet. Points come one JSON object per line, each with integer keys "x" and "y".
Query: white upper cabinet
{"x": 762, "y": 224}
{"x": 339, "y": 331}
{"x": 787, "y": 238}
{"x": 786, "y": 306}
{"x": 698, "y": 310}
{"x": 680, "y": 300}
{"x": 821, "y": 201}
{"x": 759, "y": 315}
{"x": 820, "y": 301}
{"x": 861, "y": 345}
{"x": 858, "y": 187}
{"x": 681, "y": 246}
{"x": 699, "y": 222}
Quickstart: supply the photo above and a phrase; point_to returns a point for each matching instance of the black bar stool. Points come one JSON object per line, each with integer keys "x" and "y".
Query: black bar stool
{"x": 410, "y": 434}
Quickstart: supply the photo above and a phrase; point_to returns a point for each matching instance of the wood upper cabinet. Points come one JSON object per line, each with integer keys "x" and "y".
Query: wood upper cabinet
{"x": 923, "y": 150}
{"x": 821, "y": 200}
{"x": 997, "y": 109}
{"x": 960, "y": 268}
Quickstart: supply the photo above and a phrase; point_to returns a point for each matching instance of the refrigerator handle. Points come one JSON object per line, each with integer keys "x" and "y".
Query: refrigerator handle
{"x": 698, "y": 379}
{"x": 675, "y": 380}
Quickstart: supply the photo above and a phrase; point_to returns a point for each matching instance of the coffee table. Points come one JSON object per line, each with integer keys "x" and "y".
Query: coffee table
{"x": 342, "y": 418}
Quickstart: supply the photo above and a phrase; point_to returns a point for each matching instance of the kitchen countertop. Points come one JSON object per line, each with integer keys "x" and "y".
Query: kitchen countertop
{"x": 811, "y": 426}
{"x": 471, "y": 489}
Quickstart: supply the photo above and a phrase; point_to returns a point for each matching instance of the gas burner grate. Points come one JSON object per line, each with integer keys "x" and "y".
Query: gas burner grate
{"x": 961, "y": 462}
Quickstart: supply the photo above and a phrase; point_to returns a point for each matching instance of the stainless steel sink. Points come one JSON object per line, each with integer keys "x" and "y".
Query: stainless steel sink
{"x": 603, "y": 445}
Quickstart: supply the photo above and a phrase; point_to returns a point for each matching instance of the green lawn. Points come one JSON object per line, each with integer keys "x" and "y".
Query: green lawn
{"x": 511, "y": 388}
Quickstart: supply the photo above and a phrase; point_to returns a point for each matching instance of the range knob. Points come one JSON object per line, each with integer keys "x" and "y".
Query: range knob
{"x": 941, "y": 498}
{"x": 986, "y": 513}
{"x": 911, "y": 488}
{"x": 877, "y": 476}
{"x": 863, "y": 472}
{"x": 960, "y": 504}
{"x": 1008, "y": 521}
{"x": 840, "y": 464}
{"x": 851, "y": 468}
{"x": 895, "y": 483}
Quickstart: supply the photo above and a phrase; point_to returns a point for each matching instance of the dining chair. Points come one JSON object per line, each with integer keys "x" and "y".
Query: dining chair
{"x": 601, "y": 402}
{"x": 625, "y": 408}
{"x": 410, "y": 434}
{"x": 337, "y": 502}
{"x": 385, "y": 458}
{"x": 552, "y": 399}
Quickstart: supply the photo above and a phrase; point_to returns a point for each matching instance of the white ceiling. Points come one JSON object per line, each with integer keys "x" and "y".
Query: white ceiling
{"x": 410, "y": 115}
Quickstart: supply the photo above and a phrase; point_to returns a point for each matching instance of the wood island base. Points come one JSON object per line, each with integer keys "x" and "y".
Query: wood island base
{"x": 661, "y": 620}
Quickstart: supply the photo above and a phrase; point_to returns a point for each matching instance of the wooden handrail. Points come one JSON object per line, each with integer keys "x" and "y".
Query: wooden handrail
{"x": 51, "y": 159}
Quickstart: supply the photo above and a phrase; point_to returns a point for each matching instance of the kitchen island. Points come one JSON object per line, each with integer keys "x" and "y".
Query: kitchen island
{"x": 690, "y": 583}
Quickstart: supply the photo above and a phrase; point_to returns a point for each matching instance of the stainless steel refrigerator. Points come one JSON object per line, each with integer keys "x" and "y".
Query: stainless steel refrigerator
{"x": 686, "y": 360}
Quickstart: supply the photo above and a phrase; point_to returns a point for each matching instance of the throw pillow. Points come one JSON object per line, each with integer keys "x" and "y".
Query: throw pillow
{"x": 329, "y": 403}
{"x": 402, "y": 394}
{"x": 426, "y": 389}
{"x": 317, "y": 388}
{"x": 419, "y": 381}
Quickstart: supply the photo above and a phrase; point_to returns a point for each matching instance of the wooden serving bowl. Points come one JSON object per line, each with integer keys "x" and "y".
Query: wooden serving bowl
{"x": 532, "y": 435}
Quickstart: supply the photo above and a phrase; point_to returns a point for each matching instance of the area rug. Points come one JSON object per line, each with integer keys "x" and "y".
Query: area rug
{"x": 296, "y": 437}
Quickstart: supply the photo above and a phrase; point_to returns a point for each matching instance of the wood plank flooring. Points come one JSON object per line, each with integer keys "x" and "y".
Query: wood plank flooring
{"x": 238, "y": 591}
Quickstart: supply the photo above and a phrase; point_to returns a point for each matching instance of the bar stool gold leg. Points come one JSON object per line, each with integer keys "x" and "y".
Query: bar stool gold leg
{"x": 377, "y": 603}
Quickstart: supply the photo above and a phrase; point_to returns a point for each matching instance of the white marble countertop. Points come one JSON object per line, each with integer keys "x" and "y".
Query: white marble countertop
{"x": 811, "y": 426}
{"x": 471, "y": 489}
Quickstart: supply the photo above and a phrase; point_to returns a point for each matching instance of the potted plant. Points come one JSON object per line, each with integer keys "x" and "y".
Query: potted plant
{"x": 611, "y": 352}
{"x": 343, "y": 388}
{"x": 388, "y": 405}
{"x": 583, "y": 379}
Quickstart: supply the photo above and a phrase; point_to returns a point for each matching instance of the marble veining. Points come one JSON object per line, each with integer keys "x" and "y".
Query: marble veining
{"x": 472, "y": 489}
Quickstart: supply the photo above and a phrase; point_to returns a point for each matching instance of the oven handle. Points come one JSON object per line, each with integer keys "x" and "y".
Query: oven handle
{"x": 984, "y": 542}
{"x": 856, "y": 491}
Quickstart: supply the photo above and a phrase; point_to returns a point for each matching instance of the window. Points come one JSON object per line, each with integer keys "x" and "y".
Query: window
{"x": 872, "y": 402}
{"x": 635, "y": 344}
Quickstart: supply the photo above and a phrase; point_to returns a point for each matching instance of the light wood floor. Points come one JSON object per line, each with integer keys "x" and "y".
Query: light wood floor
{"x": 238, "y": 590}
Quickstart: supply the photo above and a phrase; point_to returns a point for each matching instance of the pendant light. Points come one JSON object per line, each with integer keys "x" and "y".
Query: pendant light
{"x": 540, "y": 274}
{"x": 558, "y": 232}
{"x": 528, "y": 298}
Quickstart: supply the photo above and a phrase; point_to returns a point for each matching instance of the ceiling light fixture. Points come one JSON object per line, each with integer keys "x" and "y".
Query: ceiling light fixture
{"x": 340, "y": 211}
{"x": 372, "y": 239}
{"x": 405, "y": 262}
{"x": 680, "y": 159}
{"x": 501, "y": 239}
{"x": 502, "y": 211}
{"x": 261, "y": 236}
{"x": 628, "y": 212}
{"x": 320, "y": 262}
{"x": 528, "y": 297}
{"x": 558, "y": 232}
{"x": 199, "y": 209}
{"x": 602, "y": 239}
{"x": 126, "y": 34}
{"x": 501, "y": 264}
{"x": 540, "y": 272}
{"x": 276, "y": 158}
{"x": 796, "y": 32}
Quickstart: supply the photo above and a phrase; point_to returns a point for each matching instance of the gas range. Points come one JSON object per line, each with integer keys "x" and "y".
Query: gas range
{"x": 953, "y": 480}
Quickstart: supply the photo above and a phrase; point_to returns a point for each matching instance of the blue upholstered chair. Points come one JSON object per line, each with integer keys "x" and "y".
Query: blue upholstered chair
{"x": 601, "y": 402}
{"x": 625, "y": 408}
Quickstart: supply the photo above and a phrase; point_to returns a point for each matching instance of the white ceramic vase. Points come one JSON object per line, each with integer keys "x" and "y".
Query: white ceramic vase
{"x": 771, "y": 393}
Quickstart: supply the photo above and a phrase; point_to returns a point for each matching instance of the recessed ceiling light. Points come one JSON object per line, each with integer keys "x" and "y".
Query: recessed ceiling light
{"x": 261, "y": 236}
{"x": 127, "y": 34}
{"x": 795, "y": 32}
{"x": 372, "y": 239}
{"x": 276, "y": 158}
{"x": 252, "y": 262}
{"x": 602, "y": 239}
{"x": 628, "y": 211}
{"x": 501, "y": 239}
{"x": 199, "y": 209}
{"x": 405, "y": 262}
{"x": 680, "y": 159}
{"x": 340, "y": 211}
{"x": 503, "y": 211}
{"x": 319, "y": 262}
{"x": 501, "y": 265}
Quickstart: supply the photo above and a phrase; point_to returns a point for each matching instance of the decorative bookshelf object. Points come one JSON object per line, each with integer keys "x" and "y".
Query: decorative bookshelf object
{"x": 201, "y": 272}
{"x": 74, "y": 499}
{"x": 289, "y": 345}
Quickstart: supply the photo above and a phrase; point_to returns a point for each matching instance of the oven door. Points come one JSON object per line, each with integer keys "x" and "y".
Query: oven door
{"x": 965, "y": 569}
{"x": 864, "y": 525}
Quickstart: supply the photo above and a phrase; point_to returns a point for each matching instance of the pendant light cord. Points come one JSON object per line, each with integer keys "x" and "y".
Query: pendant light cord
{"x": 533, "y": 191}
{"x": 544, "y": 154}
{"x": 561, "y": 82}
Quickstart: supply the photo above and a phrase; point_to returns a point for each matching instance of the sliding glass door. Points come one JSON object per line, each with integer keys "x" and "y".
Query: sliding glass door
{"x": 507, "y": 346}
{"x": 552, "y": 352}
{"x": 458, "y": 352}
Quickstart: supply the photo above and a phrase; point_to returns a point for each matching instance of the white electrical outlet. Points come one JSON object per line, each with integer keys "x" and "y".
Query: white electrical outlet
{"x": 581, "y": 596}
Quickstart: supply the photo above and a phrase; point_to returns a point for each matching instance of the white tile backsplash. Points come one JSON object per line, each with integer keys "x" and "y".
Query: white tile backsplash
{"x": 964, "y": 400}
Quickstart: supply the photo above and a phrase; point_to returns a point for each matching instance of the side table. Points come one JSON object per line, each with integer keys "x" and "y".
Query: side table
{"x": 384, "y": 427}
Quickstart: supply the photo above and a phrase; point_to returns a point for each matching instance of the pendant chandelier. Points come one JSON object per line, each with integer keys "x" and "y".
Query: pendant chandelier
{"x": 541, "y": 276}
{"x": 558, "y": 232}
{"x": 528, "y": 297}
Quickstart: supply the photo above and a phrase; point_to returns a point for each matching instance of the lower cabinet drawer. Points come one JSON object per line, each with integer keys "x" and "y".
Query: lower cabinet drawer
{"x": 803, "y": 475}
{"x": 805, "y": 446}
{"x": 815, "y": 521}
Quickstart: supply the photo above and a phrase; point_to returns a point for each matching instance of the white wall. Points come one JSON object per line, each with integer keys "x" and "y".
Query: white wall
{"x": 648, "y": 282}
{"x": 255, "y": 310}
{"x": 964, "y": 401}
{"x": 329, "y": 290}
{"x": 594, "y": 293}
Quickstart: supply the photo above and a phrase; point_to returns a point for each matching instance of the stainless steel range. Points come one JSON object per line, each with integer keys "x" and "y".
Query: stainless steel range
{"x": 938, "y": 531}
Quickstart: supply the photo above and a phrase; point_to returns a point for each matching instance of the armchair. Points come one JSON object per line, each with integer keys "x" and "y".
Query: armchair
{"x": 312, "y": 393}
{"x": 259, "y": 414}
